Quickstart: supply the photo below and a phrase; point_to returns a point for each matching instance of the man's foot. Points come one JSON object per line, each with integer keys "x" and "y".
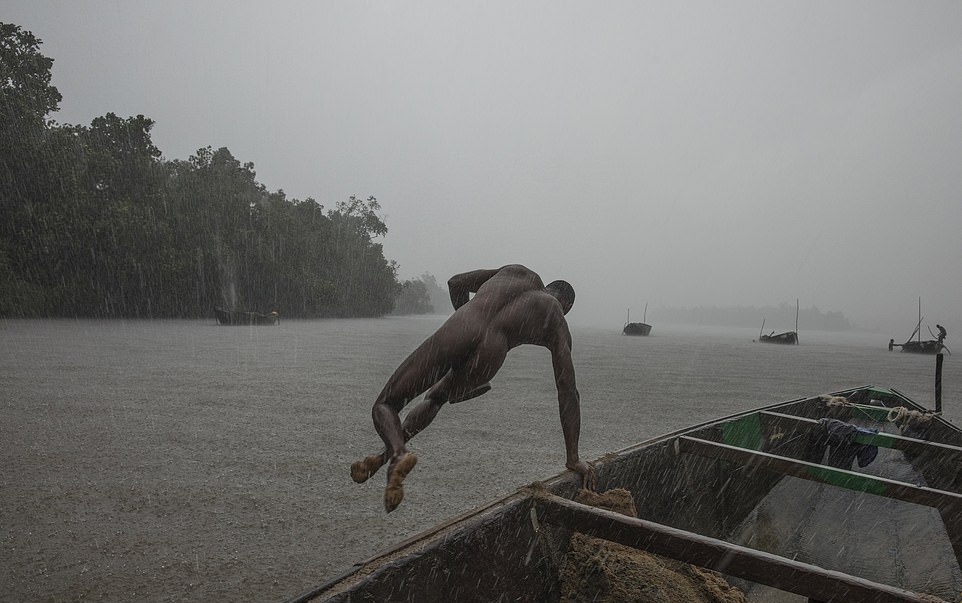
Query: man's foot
{"x": 474, "y": 393}
{"x": 366, "y": 467}
{"x": 398, "y": 470}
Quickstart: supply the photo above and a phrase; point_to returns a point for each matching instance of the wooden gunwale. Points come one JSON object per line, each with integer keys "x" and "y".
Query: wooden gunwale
{"x": 881, "y": 439}
{"x": 851, "y": 480}
{"x": 418, "y": 542}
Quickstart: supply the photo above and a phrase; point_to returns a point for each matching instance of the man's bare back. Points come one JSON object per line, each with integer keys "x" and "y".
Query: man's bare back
{"x": 511, "y": 307}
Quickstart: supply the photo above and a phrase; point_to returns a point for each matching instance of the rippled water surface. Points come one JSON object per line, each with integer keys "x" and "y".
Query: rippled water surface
{"x": 180, "y": 460}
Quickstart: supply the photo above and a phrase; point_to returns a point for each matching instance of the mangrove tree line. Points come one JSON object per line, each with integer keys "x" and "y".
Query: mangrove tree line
{"x": 94, "y": 222}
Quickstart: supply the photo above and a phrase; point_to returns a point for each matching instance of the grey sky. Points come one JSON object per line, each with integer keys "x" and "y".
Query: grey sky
{"x": 674, "y": 153}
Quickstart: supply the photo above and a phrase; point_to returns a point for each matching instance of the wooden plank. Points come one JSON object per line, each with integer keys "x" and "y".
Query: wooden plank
{"x": 851, "y": 480}
{"x": 884, "y": 440}
{"x": 742, "y": 562}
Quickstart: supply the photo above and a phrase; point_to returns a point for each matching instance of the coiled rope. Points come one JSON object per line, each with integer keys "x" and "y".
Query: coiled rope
{"x": 903, "y": 417}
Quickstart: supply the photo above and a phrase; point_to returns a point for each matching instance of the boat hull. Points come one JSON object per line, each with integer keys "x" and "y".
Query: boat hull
{"x": 637, "y": 328}
{"x": 787, "y": 338}
{"x": 922, "y": 347}
{"x": 233, "y": 317}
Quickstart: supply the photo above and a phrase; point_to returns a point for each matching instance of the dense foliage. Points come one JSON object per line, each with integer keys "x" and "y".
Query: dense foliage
{"x": 94, "y": 222}
{"x": 423, "y": 295}
{"x": 440, "y": 298}
{"x": 413, "y": 299}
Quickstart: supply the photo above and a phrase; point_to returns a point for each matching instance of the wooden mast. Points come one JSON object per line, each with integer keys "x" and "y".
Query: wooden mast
{"x": 919, "y": 326}
{"x": 796, "y": 321}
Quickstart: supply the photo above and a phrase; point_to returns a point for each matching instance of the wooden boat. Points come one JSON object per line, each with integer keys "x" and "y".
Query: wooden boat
{"x": 235, "y": 317}
{"x": 751, "y": 496}
{"x": 788, "y": 337}
{"x": 931, "y": 346}
{"x": 637, "y": 328}
{"x": 918, "y": 346}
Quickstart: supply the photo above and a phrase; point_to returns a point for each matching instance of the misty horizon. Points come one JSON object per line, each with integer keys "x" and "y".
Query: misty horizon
{"x": 784, "y": 316}
{"x": 675, "y": 155}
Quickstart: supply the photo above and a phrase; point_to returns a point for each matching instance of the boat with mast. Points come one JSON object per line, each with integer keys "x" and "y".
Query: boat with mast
{"x": 918, "y": 346}
{"x": 788, "y": 337}
{"x": 637, "y": 328}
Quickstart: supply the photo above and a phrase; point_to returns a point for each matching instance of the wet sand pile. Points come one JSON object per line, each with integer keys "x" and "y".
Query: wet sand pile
{"x": 600, "y": 571}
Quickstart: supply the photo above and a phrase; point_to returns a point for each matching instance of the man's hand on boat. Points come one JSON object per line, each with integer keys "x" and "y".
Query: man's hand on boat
{"x": 587, "y": 473}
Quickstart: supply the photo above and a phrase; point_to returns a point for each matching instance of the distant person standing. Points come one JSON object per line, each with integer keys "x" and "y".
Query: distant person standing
{"x": 511, "y": 307}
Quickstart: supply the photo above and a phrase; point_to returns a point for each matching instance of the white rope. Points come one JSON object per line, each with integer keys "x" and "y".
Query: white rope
{"x": 903, "y": 417}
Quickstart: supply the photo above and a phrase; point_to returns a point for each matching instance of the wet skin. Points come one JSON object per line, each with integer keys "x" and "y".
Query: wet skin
{"x": 510, "y": 307}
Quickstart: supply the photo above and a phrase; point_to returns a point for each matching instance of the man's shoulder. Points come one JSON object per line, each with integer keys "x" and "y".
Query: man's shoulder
{"x": 534, "y": 317}
{"x": 541, "y": 303}
{"x": 519, "y": 274}
{"x": 516, "y": 269}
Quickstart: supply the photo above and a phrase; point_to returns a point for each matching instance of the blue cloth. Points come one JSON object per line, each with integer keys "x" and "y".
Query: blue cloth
{"x": 837, "y": 437}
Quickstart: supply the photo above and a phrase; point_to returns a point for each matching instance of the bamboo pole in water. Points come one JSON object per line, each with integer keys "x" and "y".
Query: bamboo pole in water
{"x": 938, "y": 382}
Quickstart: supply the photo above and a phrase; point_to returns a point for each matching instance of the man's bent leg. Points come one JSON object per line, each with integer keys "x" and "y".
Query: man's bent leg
{"x": 388, "y": 425}
{"x": 413, "y": 376}
{"x": 427, "y": 365}
{"x": 421, "y": 416}
{"x": 417, "y": 419}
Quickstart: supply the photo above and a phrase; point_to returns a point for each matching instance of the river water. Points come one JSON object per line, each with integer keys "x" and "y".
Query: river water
{"x": 180, "y": 460}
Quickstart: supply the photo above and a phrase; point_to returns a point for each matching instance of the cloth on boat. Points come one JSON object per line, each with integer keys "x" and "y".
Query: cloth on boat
{"x": 838, "y": 437}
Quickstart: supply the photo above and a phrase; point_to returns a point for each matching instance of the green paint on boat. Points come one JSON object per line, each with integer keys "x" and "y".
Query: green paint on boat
{"x": 883, "y": 440}
{"x": 847, "y": 480}
{"x": 744, "y": 432}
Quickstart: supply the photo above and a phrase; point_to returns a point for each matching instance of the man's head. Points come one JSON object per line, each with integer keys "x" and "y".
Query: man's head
{"x": 563, "y": 292}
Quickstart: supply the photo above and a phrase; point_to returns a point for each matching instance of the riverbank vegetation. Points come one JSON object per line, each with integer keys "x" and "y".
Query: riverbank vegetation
{"x": 94, "y": 222}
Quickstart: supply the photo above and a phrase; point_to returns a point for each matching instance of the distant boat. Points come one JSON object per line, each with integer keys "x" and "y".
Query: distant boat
{"x": 637, "y": 328}
{"x": 235, "y": 317}
{"x": 788, "y": 337}
{"x": 929, "y": 346}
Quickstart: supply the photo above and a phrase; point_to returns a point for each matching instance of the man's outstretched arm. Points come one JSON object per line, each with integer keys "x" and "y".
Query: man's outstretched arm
{"x": 461, "y": 286}
{"x": 569, "y": 406}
